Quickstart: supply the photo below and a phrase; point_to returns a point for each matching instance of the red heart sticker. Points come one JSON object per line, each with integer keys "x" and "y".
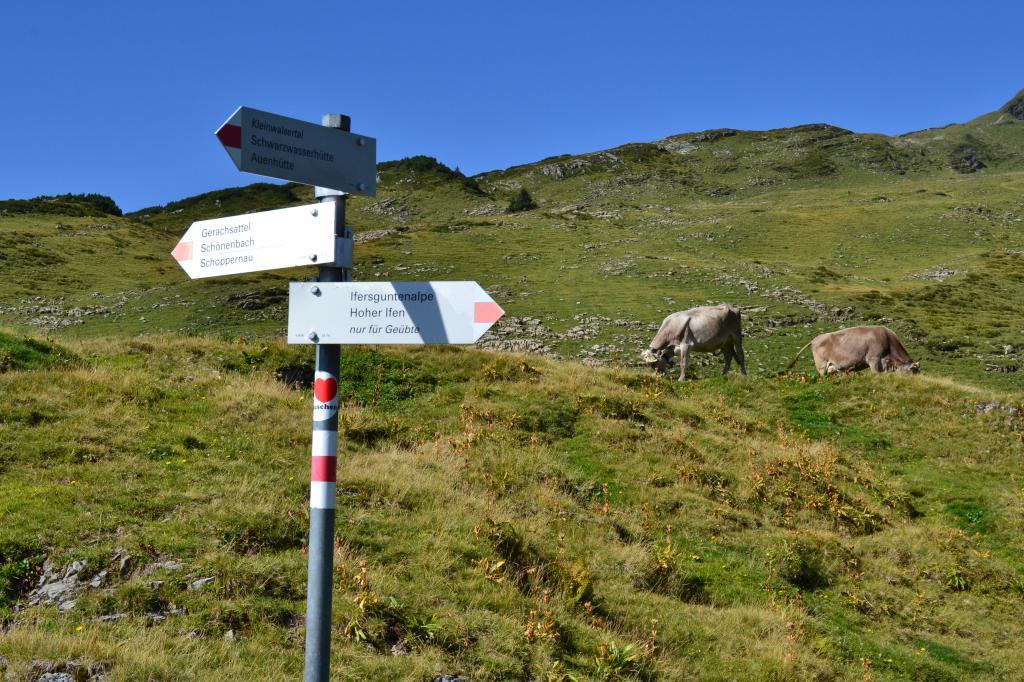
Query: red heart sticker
{"x": 325, "y": 389}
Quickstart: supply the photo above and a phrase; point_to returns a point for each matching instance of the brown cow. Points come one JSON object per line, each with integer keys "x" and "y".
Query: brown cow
{"x": 855, "y": 348}
{"x": 704, "y": 328}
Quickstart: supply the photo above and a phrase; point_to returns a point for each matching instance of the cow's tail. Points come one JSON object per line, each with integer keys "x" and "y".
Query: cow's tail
{"x": 797, "y": 356}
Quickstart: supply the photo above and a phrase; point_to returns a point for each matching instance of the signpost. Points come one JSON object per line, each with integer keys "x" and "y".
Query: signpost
{"x": 389, "y": 312}
{"x": 285, "y": 238}
{"x": 299, "y": 151}
{"x": 334, "y": 310}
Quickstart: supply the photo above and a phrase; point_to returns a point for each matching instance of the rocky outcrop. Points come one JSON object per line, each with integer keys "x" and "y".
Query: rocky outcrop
{"x": 964, "y": 159}
{"x": 62, "y": 586}
{"x": 67, "y": 671}
{"x": 1015, "y": 107}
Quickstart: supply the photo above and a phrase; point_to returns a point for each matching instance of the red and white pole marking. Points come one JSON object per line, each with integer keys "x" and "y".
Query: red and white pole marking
{"x": 324, "y": 466}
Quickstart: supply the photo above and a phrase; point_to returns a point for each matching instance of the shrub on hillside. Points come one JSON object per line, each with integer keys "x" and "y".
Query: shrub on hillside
{"x": 522, "y": 201}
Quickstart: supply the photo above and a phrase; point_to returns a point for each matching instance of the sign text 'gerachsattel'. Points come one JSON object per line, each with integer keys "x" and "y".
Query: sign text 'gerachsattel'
{"x": 284, "y": 238}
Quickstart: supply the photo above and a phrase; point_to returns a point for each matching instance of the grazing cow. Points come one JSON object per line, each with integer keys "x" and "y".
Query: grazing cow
{"x": 855, "y": 348}
{"x": 704, "y": 328}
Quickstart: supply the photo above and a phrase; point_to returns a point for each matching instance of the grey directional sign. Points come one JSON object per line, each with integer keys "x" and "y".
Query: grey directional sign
{"x": 300, "y": 151}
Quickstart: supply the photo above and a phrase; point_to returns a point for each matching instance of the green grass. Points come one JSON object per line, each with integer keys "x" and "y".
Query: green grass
{"x": 511, "y": 517}
{"x": 517, "y": 517}
{"x": 27, "y": 353}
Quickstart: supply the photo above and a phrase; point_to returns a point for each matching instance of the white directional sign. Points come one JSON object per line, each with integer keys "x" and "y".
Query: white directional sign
{"x": 285, "y": 238}
{"x": 300, "y": 151}
{"x": 389, "y": 312}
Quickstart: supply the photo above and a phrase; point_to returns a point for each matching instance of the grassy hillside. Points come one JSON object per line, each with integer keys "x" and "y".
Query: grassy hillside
{"x": 507, "y": 517}
{"x": 935, "y": 254}
{"x": 520, "y": 516}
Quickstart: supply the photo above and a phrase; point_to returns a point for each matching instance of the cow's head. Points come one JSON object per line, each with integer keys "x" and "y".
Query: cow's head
{"x": 659, "y": 360}
{"x": 889, "y": 365}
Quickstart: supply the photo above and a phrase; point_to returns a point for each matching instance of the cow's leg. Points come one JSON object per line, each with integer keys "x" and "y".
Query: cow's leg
{"x": 877, "y": 364}
{"x": 737, "y": 348}
{"x": 684, "y": 359}
{"x": 823, "y": 366}
{"x": 727, "y": 352}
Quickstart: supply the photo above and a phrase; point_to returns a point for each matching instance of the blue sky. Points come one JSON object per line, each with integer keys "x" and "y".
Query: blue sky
{"x": 122, "y": 98}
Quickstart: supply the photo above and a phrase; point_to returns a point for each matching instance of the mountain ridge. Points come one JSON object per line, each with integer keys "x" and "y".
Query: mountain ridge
{"x": 694, "y": 137}
{"x": 809, "y": 225}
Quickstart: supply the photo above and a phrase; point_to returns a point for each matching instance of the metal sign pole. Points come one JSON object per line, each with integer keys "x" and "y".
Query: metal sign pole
{"x": 324, "y": 465}
{"x": 320, "y": 313}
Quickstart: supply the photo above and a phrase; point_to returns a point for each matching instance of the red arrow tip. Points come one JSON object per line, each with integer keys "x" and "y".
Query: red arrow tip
{"x": 230, "y": 136}
{"x": 487, "y": 313}
{"x": 182, "y": 252}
